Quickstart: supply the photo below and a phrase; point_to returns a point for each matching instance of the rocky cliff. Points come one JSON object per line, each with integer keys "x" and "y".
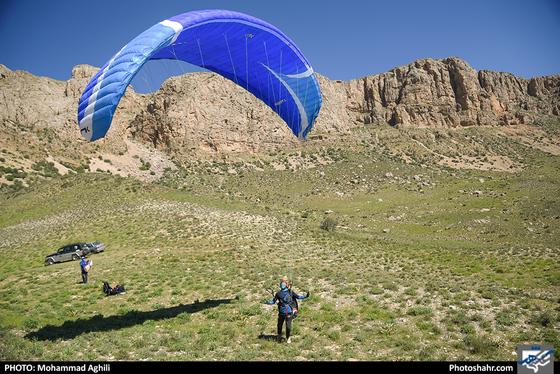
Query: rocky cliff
{"x": 443, "y": 93}
{"x": 204, "y": 112}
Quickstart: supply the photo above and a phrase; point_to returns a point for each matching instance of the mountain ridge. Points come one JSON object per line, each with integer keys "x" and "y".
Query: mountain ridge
{"x": 205, "y": 115}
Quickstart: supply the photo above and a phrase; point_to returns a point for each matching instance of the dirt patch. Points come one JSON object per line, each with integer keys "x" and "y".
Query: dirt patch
{"x": 61, "y": 168}
{"x": 534, "y": 137}
{"x": 497, "y": 163}
{"x": 139, "y": 161}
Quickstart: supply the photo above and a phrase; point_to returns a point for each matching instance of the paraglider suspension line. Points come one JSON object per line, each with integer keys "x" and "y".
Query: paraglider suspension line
{"x": 231, "y": 58}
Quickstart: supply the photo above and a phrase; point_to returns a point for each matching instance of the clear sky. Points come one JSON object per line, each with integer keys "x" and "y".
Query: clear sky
{"x": 343, "y": 39}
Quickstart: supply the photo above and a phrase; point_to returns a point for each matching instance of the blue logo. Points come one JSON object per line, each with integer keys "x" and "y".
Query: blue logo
{"x": 533, "y": 359}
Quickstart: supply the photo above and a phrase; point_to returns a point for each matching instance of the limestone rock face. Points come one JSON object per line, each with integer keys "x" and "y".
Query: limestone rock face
{"x": 450, "y": 93}
{"x": 204, "y": 112}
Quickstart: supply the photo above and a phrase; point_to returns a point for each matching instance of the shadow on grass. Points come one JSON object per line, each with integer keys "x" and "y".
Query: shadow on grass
{"x": 98, "y": 323}
{"x": 271, "y": 338}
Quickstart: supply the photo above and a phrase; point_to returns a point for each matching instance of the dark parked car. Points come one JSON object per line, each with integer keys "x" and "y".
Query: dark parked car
{"x": 68, "y": 252}
{"x": 96, "y": 246}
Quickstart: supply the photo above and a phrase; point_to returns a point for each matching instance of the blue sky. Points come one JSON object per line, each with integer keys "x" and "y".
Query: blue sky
{"x": 343, "y": 39}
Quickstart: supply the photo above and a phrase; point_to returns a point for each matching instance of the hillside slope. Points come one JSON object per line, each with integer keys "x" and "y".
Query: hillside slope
{"x": 422, "y": 215}
{"x": 206, "y": 114}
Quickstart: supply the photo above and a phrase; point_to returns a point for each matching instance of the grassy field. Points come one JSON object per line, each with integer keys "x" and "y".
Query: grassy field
{"x": 404, "y": 260}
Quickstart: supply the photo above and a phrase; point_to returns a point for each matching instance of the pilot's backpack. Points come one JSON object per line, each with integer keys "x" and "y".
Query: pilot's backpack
{"x": 292, "y": 302}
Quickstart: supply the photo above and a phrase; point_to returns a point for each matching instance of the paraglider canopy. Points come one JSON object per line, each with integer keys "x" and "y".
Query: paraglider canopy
{"x": 252, "y": 53}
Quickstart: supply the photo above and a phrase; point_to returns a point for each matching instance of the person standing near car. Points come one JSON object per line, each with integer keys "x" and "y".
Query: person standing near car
{"x": 85, "y": 266}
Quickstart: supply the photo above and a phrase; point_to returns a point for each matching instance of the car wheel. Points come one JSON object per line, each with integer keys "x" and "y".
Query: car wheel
{"x": 50, "y": 261}
{"x": 75, "y": 257}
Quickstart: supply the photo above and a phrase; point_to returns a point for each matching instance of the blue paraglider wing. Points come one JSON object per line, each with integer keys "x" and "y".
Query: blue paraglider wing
{"x": 252, "y": 53}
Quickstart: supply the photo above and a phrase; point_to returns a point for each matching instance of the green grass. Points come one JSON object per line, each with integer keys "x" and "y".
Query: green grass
{"x": 419, "y": 266}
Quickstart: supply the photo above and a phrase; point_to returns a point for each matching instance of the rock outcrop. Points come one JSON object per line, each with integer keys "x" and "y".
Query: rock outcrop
{"x": 205, "y": 112}
{"x": 446, "y": 93}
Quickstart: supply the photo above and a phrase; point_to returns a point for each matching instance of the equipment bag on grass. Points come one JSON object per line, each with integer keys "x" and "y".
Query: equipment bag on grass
{"x": 108, "y": 290}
